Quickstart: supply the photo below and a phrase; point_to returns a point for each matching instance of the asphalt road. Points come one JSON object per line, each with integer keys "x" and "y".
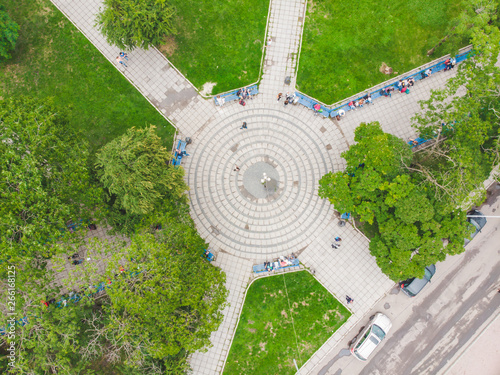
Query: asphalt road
{"x": 431, "y": 330}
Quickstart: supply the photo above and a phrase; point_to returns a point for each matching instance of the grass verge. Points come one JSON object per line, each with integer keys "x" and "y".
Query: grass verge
{"x": 267, "y": 340}
{"x": 345, "y": 43}
{"x": 218, "y": 42}
{"x": 53, "y": 59}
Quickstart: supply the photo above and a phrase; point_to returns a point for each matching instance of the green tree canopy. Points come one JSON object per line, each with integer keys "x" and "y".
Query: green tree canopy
{"x": 134, "y": 168}
{"x": 413, "y": 230}
{"x": 8, "y": 33}
{"x": 44, "y": 180}
{"x": 162, "y": 302}
{"x": 170, "y": 299}
{"x": 136, "y": 23}
{"x": 464, "y": 114}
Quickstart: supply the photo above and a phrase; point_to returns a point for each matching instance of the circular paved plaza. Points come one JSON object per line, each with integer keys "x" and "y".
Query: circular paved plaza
{"x": 243, "y": 212}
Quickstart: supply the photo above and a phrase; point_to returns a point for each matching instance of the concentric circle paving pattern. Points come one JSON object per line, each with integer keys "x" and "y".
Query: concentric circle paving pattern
{"x": 236, "y": 211}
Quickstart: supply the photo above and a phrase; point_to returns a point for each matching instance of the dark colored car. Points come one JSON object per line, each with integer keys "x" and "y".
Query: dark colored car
{"x": 477, "y": 223}
{"x": 413, "y": 286}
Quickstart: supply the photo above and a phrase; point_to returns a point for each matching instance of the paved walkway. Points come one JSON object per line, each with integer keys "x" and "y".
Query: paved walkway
{"x": 243, "y": 225}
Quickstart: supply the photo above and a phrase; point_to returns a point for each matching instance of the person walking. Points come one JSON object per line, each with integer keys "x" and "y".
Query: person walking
{"x": 121, "y": 61}
{"x": 123, "y": 55}
{"x": 236, "y": 168}
{"x": 280, "y": 95}
{"x": 244, "y": 126}
{"x": 349, "y": 300}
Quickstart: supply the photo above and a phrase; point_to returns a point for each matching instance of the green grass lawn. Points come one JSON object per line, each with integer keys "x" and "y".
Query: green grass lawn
{"x": 345, "y": 43}
{"x": 265, "y": 340}
{"x": 218, "y": 41}
{"x": 53, "y": 59}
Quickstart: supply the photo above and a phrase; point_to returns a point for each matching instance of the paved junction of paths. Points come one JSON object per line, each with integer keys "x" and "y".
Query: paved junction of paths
{"x": 247, "y": 222}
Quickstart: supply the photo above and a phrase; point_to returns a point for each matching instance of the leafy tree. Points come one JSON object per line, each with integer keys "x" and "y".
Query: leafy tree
{"x": 175, "y": 301}
{"x": 44, "y": 180}
{"x": 134, "y": 168}
{"x": 464, "y": 114}
{"x": 8, "y": 33}
{"x": 168, "y": 299}
{"x": 52, "y": 342}
{"x": 377, "y": 188}
{"x": 136, "y": 23}
{"x": 475, "y": 14}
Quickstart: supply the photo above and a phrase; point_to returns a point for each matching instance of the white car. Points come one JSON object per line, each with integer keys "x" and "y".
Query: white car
{"x": 364, "y": 344}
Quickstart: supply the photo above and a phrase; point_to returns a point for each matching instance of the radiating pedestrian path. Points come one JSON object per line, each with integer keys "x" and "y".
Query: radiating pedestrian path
{"x": 247, "y": 222}
{"x": 149, "y": 71}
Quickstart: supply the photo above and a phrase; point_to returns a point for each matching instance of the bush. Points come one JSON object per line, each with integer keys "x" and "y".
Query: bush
{"x": 8, "y": 33}
{"x": 136, "y": 23}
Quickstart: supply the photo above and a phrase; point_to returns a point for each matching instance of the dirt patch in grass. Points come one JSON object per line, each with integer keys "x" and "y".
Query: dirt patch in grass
{"x": 169, "y": 46}
{"x": 207, "y": 88}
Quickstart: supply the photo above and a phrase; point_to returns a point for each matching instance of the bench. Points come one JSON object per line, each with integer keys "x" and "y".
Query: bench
{"x": 259, "y": 268}
{"x": 208, "y": 255}
{"x": 310, "y": 103}
{"x": 294, "y": 263}
{"x": 419, "y": 141}
{"x": 345, "y": 216}
{"x": 335, "y": 112}
{"x": 181, "y": 145}
{"x": 233, "y": 95}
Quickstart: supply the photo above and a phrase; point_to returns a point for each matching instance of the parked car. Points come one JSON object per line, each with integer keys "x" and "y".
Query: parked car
{"x": 413, "y": 286}
{"x": 477, "y": 223}
{"x": 364, "y": 344}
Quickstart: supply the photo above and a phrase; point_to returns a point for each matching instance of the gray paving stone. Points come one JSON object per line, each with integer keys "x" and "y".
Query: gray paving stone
{"x": 300, "y": 146}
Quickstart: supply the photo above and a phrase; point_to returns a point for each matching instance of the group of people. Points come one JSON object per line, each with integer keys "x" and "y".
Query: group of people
{"x": 76, "y": 259}
{"x": 450, "y": 64}
{"x": 289, "y": 98}
{"x": 404, "y": 85}
{"x": 354, "y": 104}
{"x": 242, "y": 94}
{"x": 122, "y": 58}
{"x": 337, "y": 242}
{"x": 282, "y": 261}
